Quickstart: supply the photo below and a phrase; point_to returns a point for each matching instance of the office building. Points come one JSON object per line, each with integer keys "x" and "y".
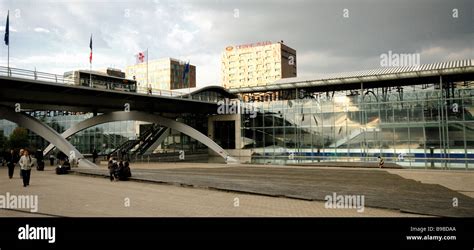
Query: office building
{"x": 257, "y": 64}
{"x": 162, "y": 74}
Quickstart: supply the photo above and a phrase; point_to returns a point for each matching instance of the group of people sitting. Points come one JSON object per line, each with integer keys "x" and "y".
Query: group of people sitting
{"x": 119, "y": 170}
{"x": 64, "y": 166}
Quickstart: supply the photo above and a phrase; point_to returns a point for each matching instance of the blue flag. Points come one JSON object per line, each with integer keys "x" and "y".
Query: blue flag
{"x": 7, "y": 31}
{"x": 186, "y": 70}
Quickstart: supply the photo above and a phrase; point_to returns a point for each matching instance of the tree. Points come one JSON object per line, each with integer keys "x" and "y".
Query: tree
{"x": 18, "y": 138}
{"x": 3, "y": 142}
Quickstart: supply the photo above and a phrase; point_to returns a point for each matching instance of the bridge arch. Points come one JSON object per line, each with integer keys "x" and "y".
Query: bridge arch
{"x": 44, "y": 131}
{"x": 146, "y": 117}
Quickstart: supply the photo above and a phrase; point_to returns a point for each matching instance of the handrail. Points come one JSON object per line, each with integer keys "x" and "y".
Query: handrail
{"x": 34, "y": 75}
{"x": 54, "y": 78}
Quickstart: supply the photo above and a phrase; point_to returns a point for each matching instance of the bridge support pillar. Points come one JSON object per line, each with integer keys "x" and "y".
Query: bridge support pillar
{"x": 46, "y": 132}
{"x": 147, "y": 117}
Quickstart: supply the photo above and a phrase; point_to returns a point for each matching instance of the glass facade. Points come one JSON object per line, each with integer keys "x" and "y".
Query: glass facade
{"x": 104, "y": 137}
{"x": 108, "y": 136}
{"x": 419, "y": 126}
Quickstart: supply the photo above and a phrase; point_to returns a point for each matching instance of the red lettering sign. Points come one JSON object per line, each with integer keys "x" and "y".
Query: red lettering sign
{"x": 251, "y": 45}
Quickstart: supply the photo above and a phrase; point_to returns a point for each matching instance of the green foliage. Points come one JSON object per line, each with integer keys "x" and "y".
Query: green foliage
{"x": 18, "y": 138}
{"x": 3, "y": 142}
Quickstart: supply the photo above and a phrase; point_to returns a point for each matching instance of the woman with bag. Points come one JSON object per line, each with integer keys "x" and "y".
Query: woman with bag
{"x": 26, "y": 163}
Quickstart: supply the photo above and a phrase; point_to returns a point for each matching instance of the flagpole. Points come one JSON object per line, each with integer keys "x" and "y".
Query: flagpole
{"x": 90, "y": 64}
{"x": 8, "y": 55}
{"x": 189, "y": 85}
{"x": 147, "y": 69}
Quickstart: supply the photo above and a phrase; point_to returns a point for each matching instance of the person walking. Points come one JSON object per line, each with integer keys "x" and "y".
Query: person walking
{"x": 11, "y": 159}
{"x": 26, "y": 163}
{"x": 20, "y": 154}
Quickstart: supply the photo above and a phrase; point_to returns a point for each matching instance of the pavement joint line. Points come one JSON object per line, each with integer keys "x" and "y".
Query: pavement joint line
{"x": 228, "y": 190}
{"x": 28, "y": 212}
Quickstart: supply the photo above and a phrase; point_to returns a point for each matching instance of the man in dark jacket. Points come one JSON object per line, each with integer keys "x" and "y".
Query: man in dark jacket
{"x": 12, "y": 158}
{"x": 125, "y": 172}
{"x": 39, "y": 159}
{"x": 112, "y": 166}
{"x": 95, "y": 155}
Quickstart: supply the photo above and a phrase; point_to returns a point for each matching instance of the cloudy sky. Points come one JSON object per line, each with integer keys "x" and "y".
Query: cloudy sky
{"x": 53, "y": 36}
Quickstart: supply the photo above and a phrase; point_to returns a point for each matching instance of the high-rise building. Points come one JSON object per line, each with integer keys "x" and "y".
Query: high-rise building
{"x": 257, "y": 64}
{"x": 162, "y": 74}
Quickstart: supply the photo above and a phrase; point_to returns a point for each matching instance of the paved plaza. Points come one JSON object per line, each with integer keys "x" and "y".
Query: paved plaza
{"x": 202, "y": 190}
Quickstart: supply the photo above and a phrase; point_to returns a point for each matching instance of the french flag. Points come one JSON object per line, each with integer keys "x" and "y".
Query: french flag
{"x": 90, "y": 46}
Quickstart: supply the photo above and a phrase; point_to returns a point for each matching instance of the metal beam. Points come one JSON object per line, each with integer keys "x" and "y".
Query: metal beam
{"x": 146, "y": 117}
{"x": 45, "y": 132}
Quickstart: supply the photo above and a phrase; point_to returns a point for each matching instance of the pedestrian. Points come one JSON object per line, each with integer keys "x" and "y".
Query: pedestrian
{"x": 381, "y": 161}
{"x": 39, "y": 160}
{"x": 95, "y": 155}
{"x": 26, "y": 163}
{"x": 125, "y": 172}
{"x": 112, "y": 166}
{"x": 19, "y": 157}
{"x": 12, "y": 159}
{"x": 51, "y": 159}
{"x": 119, "y": 170}
{"x": 61, "y": 157}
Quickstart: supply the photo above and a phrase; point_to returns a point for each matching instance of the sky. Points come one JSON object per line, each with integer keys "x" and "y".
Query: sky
{"x": 329, "y": 36}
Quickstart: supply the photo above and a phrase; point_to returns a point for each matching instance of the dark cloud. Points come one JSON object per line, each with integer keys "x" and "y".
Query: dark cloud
{"x": 200, "y": 30}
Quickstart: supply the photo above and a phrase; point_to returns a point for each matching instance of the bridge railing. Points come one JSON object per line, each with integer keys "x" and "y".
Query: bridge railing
{"x": 161, "y": 92}
{"x": 54, "y": 78}
{"x": 175, "y": 94}
{"x": 34, "y": 75}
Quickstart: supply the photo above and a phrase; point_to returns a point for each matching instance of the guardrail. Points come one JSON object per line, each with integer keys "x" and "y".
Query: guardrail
{"x": 34, "y": 75}
{"x": 54, "y": 78}
{"x": 161, "y": 92}
{"x": 177, "y": 94}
